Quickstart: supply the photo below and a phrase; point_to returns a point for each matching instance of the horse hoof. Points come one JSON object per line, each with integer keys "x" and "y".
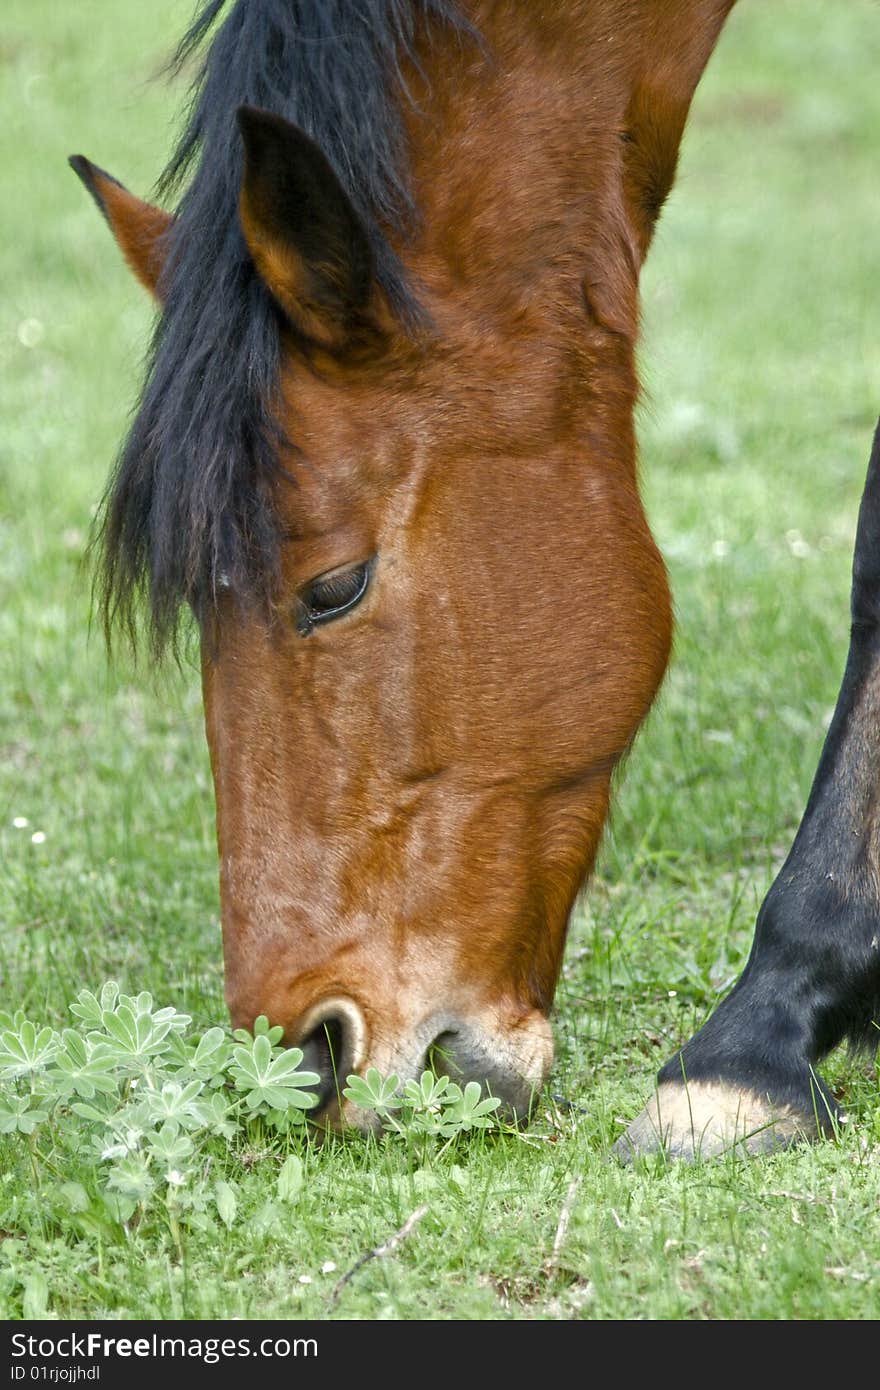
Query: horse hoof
{"x": 705, "y": 1119}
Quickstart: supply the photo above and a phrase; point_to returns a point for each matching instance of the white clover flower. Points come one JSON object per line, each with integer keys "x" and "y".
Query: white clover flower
{"x": 21, "y": 822}
{"x": 30, "y": 332}
{"x": 797, "y": 545}
{"x": 38, "y": 837}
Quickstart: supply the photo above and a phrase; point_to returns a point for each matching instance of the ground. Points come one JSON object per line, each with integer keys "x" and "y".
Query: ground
{"x": 761, "y": 363}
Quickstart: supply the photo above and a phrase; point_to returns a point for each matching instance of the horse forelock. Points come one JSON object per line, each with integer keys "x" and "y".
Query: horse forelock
{"x": 190, "y": 497}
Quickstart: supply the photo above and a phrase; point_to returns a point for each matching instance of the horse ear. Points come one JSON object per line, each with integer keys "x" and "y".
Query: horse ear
{"x": 307, "y": 241}
{"x": 677, "y": 43}
{"x": 139, "y": 228}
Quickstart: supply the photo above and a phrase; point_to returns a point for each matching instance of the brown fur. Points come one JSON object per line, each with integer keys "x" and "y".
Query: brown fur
{"x": 139, "y": 228}
{"x": 410, "y": 799}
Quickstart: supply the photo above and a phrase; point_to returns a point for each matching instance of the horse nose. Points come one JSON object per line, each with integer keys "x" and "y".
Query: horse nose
{"x": 510, "y": 1064}
{"x": 333, "y": 1037}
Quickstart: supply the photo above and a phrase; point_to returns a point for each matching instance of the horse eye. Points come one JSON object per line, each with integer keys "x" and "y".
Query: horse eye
{"x": 331, "y": 595}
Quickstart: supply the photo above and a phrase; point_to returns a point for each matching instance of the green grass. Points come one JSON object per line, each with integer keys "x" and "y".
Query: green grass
{"x": 761, "y": 360}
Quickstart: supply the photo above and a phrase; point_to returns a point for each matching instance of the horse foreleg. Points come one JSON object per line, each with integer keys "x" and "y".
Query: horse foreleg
{"x": 748, "y": 1078}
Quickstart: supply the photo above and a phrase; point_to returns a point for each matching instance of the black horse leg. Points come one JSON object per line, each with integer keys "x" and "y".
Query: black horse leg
{"x": 813, "y": 977}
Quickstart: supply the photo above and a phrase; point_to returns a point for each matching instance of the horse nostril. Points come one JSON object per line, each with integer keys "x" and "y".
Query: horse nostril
{"x": 332, "y": 1036}
{"x": 441, "y": 1057}
{"x": 322, "y": 1052}
{"x": 465, "y": 1054}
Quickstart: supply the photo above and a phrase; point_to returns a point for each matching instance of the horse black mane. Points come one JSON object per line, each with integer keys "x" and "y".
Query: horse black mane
{"x": 188, "y": 505}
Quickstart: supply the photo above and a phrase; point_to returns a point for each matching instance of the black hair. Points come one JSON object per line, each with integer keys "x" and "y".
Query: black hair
{"x": 188, "y": 502}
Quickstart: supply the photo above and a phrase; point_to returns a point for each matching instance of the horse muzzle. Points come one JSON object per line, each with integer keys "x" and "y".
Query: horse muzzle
{"x": 509, "y": 1058}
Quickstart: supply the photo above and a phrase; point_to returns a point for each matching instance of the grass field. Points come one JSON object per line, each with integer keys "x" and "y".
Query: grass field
{"x": 761, "y": 361}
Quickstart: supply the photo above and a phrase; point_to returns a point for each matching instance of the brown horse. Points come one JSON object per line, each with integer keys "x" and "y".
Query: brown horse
{"x": 385, "y": 453}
